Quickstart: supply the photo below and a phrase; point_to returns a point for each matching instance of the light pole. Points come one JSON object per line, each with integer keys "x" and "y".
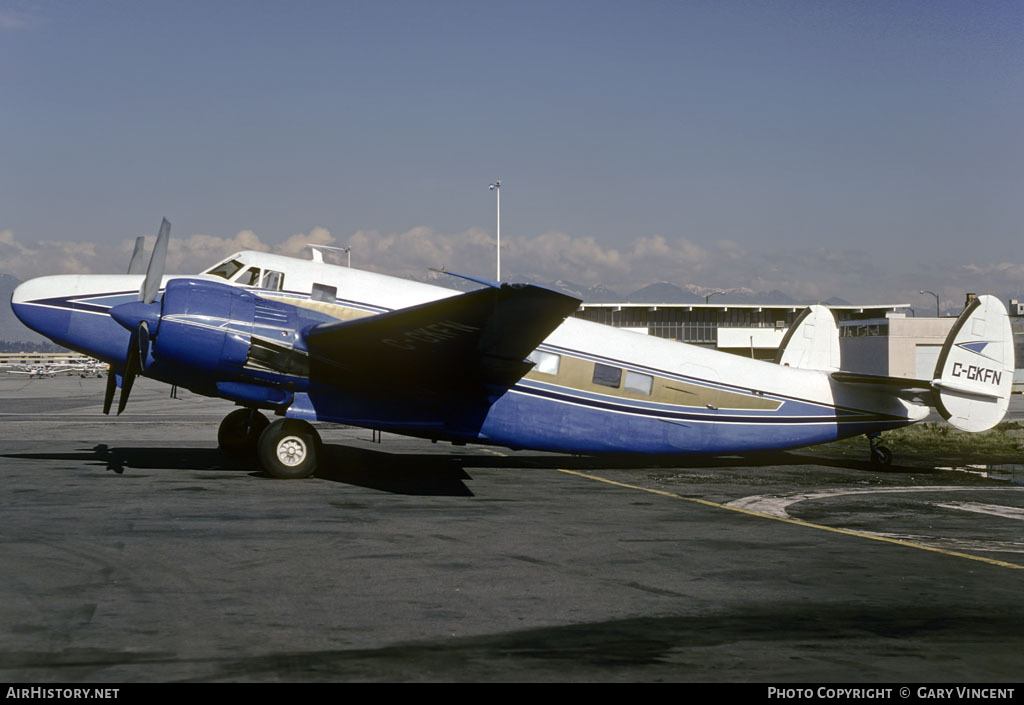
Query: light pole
{"x": 707, "y": 299}
{"x": 936, "y": 300}
{"x": 496, "y": 187}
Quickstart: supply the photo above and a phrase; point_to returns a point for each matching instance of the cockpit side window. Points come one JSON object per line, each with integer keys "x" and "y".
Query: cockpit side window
{"x": 250, "y": 278}
{"x": 226, "y": 269}
{"x": 273, "y": 280}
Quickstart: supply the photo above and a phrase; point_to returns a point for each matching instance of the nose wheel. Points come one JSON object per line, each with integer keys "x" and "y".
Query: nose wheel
{"x": 880, "y": 455}
{"x": 289, "y": 449}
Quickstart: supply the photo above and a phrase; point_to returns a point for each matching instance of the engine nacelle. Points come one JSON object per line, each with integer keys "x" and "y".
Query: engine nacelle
{"x": 223, "y": 340}
{"x": 204, "y": 332}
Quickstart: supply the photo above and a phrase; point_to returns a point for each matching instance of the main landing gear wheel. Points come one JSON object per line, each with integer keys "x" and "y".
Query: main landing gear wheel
{"x": 240, "y": 431}
{"x": 290, "y": 449}
{"x": 880, "y": 455}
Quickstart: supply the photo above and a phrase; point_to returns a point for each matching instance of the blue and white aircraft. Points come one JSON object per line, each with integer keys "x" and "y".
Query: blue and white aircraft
{"x": 504, "y": 365}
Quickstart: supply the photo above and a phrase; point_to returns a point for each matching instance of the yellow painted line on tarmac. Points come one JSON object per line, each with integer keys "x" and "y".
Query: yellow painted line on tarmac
{"x": 848, "y": 532}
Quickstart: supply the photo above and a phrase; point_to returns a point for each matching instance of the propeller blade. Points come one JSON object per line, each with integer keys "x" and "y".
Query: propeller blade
{"x": 137, "y": 264}
{"x": 135, "y": 360}
{"x": 142, "y": 344}
{"x": 155, "y": 272}
{"x": 133, "y": 317}
{"x": 108, "y": 396}
{"x": 131, "y": 368}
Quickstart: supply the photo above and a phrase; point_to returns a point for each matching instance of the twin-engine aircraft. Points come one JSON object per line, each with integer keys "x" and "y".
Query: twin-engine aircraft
{"x": 502, "y": 365}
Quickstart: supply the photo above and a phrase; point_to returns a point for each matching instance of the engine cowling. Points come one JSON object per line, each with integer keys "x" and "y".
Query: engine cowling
{"x": 204, "y": 331}
{"x": 222, "y": 340}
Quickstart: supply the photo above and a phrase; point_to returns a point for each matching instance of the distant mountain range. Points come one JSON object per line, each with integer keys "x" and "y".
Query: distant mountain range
{"x": 658, "y": 293}
{"x": 668, "y": 293}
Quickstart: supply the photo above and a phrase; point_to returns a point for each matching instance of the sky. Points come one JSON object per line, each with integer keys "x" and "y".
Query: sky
{"x": 865, "y": 150}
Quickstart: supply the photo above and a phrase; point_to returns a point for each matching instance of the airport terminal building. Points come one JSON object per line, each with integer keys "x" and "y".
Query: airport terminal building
{"x": 878, "y": 339}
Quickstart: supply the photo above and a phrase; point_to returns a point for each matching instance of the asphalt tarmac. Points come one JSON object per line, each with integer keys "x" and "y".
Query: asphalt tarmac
{"x": 132, "y": 552}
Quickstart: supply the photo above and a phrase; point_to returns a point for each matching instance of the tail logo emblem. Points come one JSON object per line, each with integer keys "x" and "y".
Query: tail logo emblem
{"x": 976, "y": 347}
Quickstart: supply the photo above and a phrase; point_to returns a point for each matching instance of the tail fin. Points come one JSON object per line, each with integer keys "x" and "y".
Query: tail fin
{"x": 974, "y": 373}
{"x": 812, "y": 342}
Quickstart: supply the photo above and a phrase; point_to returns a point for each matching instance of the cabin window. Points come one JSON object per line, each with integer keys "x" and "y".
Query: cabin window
{"x": 545, "y": 362}
{"x": 638, "y": 382}
{"x": 272, "y": 280}
{"x": 322, "y": 292}
{"x": 606, "y": 375}
{"x": 226, "y": 269}
{"x": 250, "y": 278}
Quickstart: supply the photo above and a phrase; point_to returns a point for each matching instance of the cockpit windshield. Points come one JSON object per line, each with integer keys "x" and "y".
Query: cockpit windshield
{"x": 226, "y": 269}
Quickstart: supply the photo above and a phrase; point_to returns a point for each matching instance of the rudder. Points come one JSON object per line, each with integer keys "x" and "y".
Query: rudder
{"x": 974, "y": 373}
{"x": 812, "y": 342}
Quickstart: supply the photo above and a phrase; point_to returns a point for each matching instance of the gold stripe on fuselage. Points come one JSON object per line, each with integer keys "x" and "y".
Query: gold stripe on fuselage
{"x": 334, "y": 310}
{"x": 576, "y": 373}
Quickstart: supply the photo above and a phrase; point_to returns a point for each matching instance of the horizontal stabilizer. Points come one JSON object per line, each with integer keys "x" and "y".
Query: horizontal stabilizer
{"x": 902, "y": 383}
{"x": 974, "y": 373}
{"x": 482, "y": 337}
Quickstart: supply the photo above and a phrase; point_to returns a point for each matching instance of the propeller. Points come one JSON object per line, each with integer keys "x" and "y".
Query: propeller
{"x": 140, "y": 317}
{"x": 136, "y": 265}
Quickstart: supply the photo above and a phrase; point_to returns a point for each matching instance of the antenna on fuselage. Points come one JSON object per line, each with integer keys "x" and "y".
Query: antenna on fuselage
{"x": 318, "y": 252}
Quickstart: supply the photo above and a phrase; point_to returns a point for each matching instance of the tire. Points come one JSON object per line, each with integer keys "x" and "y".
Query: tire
{"x": 239, "y": 432}
{"x": 289, "y": 449}
{"x": 881, "y": 456}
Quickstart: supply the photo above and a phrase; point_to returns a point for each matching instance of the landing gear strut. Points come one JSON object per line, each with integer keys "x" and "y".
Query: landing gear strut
{"x": 290, "y": 449}
{"x": 880, "y": 455}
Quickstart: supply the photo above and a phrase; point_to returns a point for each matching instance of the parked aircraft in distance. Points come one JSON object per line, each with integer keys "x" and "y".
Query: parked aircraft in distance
{"x": 39, "y": 371}
{"x": 504, "y": 365}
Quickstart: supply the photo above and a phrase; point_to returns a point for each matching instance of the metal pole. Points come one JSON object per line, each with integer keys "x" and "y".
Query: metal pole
{"x": 496, "y": 187}
{"x": 936, "y": 300}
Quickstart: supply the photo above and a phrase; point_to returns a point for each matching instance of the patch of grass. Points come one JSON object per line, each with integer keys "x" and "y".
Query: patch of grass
{"x": 945, "y": 444}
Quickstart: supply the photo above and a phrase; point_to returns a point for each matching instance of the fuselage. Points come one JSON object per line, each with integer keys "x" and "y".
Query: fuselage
{"x": 593, "y": 389}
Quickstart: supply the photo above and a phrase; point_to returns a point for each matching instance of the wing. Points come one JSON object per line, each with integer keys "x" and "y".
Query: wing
{"x": 472, "y": 340}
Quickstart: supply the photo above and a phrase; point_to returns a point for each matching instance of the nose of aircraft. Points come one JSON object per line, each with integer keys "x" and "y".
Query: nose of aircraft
{"x": 73, "y": 310}
{"x": 35, "y": 303}
{"x": 35, "y": 289}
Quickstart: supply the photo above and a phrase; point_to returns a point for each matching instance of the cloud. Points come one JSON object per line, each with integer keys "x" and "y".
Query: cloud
{"x": 295, "y": 246}
{"x": 411, "y": 253}
{"x": 855, "y": 275}
{"x": 1009, "y": 271}
{"x": 47, "y": 257}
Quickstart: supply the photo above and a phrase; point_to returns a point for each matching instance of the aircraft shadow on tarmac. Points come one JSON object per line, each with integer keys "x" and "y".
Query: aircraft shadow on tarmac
{"x": 422, "y": 473}
{"x": 398, "y": 473}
